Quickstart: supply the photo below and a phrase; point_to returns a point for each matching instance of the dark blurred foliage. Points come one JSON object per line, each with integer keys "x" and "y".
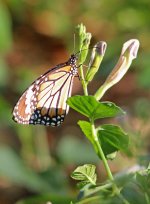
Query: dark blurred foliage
{"x": 38, "y": 34}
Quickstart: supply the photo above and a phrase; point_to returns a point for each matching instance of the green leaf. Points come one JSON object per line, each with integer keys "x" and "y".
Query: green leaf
{"x": 86, "y": 129}
{"x": 112, "y": 138}
{"x": 90, "y": 107}
{"x": 86, "y": 174}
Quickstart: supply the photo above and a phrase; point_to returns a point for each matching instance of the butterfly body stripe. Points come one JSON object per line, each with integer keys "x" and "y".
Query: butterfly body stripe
{"x": 44, "y": 102}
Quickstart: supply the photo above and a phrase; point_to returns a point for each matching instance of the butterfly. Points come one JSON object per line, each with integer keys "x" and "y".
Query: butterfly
{"x": 44, "y": 101}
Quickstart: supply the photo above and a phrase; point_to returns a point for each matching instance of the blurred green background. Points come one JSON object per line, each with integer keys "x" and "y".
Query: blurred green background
{"x": 36, "y": 35}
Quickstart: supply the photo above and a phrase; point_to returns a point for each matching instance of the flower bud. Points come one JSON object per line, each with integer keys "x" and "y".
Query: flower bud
{"x": 96, "y": 59}
{"x": 128, "y": 53}
{"x": 81, "y": 29}
{"x": 82, "y": 34}
{"x": 85, "y": 47}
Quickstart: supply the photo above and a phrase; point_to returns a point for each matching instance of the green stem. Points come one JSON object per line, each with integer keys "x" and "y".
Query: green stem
{"x": 85, "y": 88}
{"x": 94, "y": 190}
{"x": 84, "y": 84}
{"x": 104, "y": 160}
{"x": 87, "y": 200}
{"x": 101, "y": 153}
{"x": 100, "y": 92}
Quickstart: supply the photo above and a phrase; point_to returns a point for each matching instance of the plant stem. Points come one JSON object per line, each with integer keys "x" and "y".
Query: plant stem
{"x": 101, "y": 153}
{"x": 85, "y": 88}
{"x": 100, "y": 92}
{"x": 84, "y": 84}
{"x": 92, "y": 191}
{"x": 103, "y": 158}
{"x": 87, "y": 200}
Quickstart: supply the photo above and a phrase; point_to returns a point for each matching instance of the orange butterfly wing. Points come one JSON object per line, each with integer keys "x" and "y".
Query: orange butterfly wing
{"x": 44, "y": 102}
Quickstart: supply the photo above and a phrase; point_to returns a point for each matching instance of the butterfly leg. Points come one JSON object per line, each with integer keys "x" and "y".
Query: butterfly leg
{"x": 77, "y": 75}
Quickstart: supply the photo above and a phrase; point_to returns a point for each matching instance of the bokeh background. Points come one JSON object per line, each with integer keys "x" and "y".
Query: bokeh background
{"x": 36, "y": 35}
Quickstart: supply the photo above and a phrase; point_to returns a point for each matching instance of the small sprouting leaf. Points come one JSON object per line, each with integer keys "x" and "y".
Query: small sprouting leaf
{"x": 112, "y": 138}
{"x": 85, "y": 174}
{"x": 90, "y": 107}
